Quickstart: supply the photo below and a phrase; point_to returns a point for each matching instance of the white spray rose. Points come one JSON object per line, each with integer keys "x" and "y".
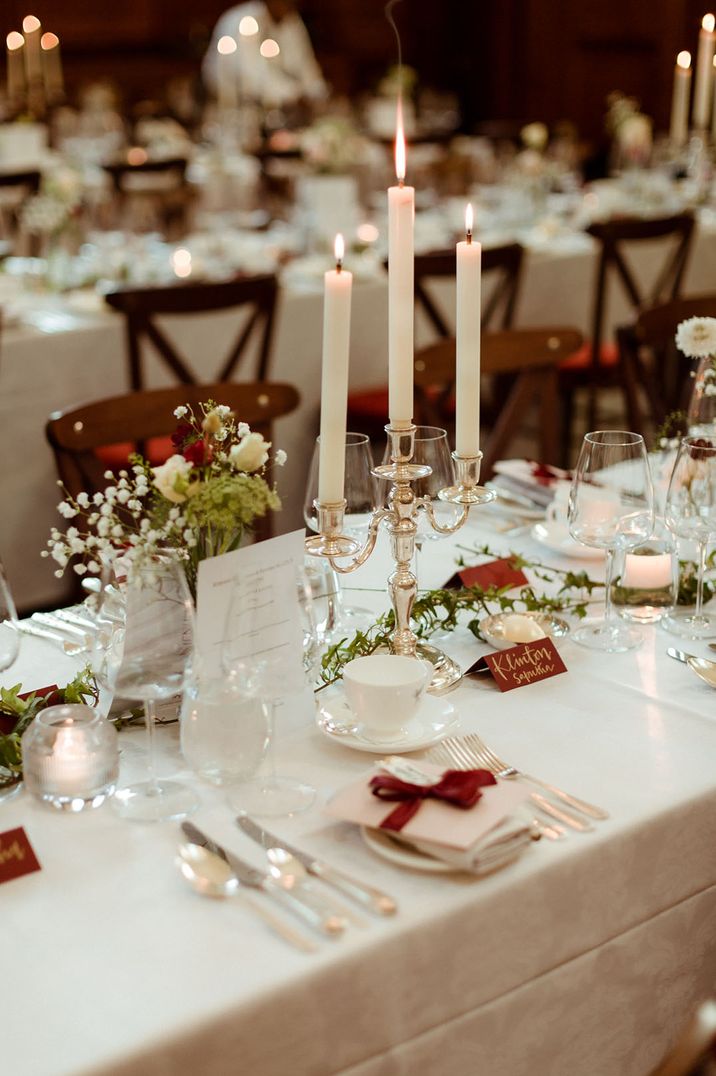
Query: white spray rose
{"x": 696, "y": 337}
{"x": 172, "y": 479}
{"x": 250, "y": 453}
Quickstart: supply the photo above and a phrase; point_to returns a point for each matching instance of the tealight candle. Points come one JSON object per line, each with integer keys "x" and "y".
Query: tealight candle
{"x": 644, "y": 571}
{"x": 70, "y": 757}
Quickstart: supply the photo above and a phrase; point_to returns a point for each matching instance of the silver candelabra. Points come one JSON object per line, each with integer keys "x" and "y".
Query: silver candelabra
{"x": 400, "y": 517}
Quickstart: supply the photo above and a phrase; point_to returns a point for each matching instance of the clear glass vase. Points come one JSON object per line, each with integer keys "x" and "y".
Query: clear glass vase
{"x": 701, "y": 414}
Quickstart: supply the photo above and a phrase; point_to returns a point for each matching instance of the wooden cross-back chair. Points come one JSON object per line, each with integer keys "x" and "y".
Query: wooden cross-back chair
{"x": 151, "y": 194}
{"x": 596, "y": 366}
{"x": 78, "y": 435}
{"x": 368, "y": 409}
{"x": 529, "y": 357}
{"x": 654, "y": 369}
{"x": 141, "y": 306}
{"x": 16, "y": 187}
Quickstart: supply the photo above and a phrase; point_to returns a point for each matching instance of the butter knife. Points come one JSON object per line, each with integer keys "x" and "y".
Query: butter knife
{"x": 559, "y": 813}
{"x": 331, "y": 925}
{"x": 365, "y": 895}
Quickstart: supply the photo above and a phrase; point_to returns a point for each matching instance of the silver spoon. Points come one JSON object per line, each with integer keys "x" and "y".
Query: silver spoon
{"x": 704, "y": 669}
{"x": 211, "y": 876}
{"x": 290, "y": 873}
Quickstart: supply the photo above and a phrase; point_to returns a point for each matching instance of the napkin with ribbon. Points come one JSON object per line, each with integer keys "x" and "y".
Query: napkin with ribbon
{"x": 476, "y": 838}
{"x": 537, "y": 482}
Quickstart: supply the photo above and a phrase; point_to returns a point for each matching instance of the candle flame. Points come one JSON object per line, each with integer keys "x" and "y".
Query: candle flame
{"x": 226, "y": 45}
{"x": 708, "y": 22}
{"x": 137, "y": 155}
{"x": 49, "y": 41}
{"x": 31, "y": 23}
{"x": 339, "y": 248}
{"x": 14, "y": 40}
{"x": 468, "y": 218}
{"x": 248, "y": 26}
{"x": 684, "y": 60}
{"x": 400, "y": 153}
{"x": 269, "y": 48}
{"x": 181, "y": 262}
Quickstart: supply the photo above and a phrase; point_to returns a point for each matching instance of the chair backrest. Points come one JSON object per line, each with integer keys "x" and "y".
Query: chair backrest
{"x": 30, "y": 180}
{"x": 612, "y": 235}
{"x": 530, "y": 357}
{"x": 173, "y": 169}
{"x": 651, "y": 360}
{"x": 140, "y": 306}
{"x": 504, "y": 262}
{"x": 696, "y": 1045}
{"x": 76, "y": 433}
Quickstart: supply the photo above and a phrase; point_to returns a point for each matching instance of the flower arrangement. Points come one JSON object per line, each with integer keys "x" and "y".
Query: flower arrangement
{"x": 630, "y": 128}
{"x": 332, "y": 145}
{"x": 201, "y": 501}
{"x": 696, "y": 339}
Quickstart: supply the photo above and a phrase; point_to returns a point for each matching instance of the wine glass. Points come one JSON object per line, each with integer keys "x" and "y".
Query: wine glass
{"x": 270, "y": 642}
{"x": 691, "y": 513}
{"x": 611, "y": 507}
{"x": 143, "y": 655}
{"x": 9, "y": 635}
{"x": 361, "y": 494}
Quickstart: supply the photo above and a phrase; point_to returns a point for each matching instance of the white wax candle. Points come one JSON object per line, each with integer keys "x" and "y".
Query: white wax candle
{"x": 52, "y": 67}
{"x": 401, "y": 219}
{"x": 713, "y": 103}
{"x": 248, "y": 56}
{"x": 70, "y": 769}
{"x": 226, "y": 87}
{"x": 679, "y": 126}
{"x": 704, "y": 61}
{"x": 15, "y": 43}
{"x": 647, "y": 572}
{"x": 337, "y": 289}
{"x": 31, "y": 28}
{"x": 467, "y": 379}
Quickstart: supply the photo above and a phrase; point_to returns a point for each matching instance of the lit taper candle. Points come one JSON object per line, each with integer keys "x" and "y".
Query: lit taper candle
{"x": 679, "y": 126}
{"x": 52, "y": 67}
{"x": 31, "y": 27}
{"x": 401, "y": 219}
{"x": 337, "y": 289}
{"x": 467, "y": 379}
{"x": 226, "y": 86}
{"x": 15, "y": 43}
{"x": 702, "y": 84}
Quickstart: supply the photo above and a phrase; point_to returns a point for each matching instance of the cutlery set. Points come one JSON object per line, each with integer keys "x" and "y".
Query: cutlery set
{"x": 287, "y": 883}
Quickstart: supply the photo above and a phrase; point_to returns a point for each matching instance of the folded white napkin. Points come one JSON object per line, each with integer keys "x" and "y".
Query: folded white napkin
{"x": 507, "y": 840}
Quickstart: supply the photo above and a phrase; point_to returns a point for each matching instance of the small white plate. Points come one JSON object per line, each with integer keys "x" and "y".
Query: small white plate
{"x": 435, "y": 719}
{"x": 396, "y": 851}
{"x": 556, "y": 536}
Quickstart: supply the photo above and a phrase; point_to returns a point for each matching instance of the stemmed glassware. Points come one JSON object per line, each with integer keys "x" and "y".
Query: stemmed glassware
{"x": 611, "y": 507}
{"x": 270, "y": 643}
{"x": 691, "y": 514}
{"x": 361, "y": 492}
{"x": 144, "y": 642}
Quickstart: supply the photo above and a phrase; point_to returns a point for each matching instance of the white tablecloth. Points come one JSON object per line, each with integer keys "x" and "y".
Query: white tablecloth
{"x": 78, "y": 356}
{"x": 585, "y": 956}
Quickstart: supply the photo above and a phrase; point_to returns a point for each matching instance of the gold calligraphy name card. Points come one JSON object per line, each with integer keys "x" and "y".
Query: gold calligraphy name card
{"x": 525, "y": 664}
{"x": 16, "y": 855}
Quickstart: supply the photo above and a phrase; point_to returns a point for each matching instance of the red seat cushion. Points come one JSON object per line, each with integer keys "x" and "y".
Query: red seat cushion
{"x": 116, "y": 457}
{"x": 582, "y": 358}
{"x": 373, "y": 403}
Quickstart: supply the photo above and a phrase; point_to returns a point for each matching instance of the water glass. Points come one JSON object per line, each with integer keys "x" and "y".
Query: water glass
{"x": 691, "y": 514}
{"x": 224, "y": 728}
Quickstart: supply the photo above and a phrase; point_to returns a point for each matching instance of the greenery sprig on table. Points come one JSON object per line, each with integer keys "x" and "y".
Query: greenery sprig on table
{"x": 83, "y": 689}
{"x": 443, "y": 609}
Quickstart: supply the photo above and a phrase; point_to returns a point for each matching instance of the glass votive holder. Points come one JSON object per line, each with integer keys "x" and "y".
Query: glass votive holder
{"x": 646, "y": 580}
{"x": 70, "y": 757}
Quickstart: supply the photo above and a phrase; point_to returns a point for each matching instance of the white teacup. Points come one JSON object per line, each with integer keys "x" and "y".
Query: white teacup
{"x": 558, "y": 507}
{"x": 384, "y": 690}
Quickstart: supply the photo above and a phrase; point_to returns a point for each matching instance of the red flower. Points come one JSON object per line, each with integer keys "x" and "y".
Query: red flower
{"x": 198, "y": 452}
{"x": 182, "y": 432}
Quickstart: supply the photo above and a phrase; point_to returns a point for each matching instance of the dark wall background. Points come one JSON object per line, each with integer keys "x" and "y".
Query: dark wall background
{"x": 521, "y": 59}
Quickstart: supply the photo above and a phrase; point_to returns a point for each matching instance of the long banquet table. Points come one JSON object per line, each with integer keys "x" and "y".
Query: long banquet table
{"x": 71, "y": 355}
{"x": 584, "y": 956}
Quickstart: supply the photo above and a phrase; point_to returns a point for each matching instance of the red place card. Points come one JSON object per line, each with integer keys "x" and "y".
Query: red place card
{"x": 525, "y": 664}
{"x": 16, "y": 855}
{"x": 495, "y": 573}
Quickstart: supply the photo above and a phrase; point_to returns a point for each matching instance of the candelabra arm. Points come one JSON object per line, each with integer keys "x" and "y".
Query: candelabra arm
{"x": 442, "y": 528}
{"x": 368, "y": 546}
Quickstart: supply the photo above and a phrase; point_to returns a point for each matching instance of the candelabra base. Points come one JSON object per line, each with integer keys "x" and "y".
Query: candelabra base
{"x": 446, "y": 672}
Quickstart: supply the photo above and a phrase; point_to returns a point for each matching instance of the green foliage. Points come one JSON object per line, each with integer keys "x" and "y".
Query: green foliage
{"x": 82, "y": 689}
{"x": 445, "y": 609}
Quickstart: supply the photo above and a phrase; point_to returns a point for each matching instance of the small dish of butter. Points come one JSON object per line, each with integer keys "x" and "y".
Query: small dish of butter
{"x": 503, "y": 630}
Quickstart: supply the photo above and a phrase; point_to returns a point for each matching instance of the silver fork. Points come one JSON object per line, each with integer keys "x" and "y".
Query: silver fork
{"x": 451, "y": 753}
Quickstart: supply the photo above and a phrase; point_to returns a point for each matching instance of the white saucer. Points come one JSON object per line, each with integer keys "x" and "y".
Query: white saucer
{"x": 396, "y": 851}
{"x": 556, "y": 536}
{"x": 435, "y": 719}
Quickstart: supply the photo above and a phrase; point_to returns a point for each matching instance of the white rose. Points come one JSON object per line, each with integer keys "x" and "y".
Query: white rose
{"x": 696, "y": 337}
{"x": 172, "y": 478}
{"x": 250, "y": 453}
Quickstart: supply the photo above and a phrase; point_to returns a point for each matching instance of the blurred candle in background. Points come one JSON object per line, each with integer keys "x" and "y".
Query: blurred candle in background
{"x": 337, "y": 292}
{"x": 704, "y": 67}
{"x": 467, "y": 358}
{"x": 401, "y": 218}
{"x": 52, "y": 67}
{"x": 31, "y": 28}
{"x": 15, "y": 43}
{"x": 226, "y": 82}
{"x": 679, "y": 126}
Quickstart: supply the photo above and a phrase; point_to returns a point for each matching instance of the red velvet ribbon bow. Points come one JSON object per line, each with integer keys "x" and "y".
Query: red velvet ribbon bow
{"x": 461, "y": 788}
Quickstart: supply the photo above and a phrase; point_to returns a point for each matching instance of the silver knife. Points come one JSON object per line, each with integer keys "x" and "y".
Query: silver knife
{"x": 557, "y": 812}
{"x": 332, "y": 925}
{"x": 679, "y": 655}
{"x": 366, "y": 895}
